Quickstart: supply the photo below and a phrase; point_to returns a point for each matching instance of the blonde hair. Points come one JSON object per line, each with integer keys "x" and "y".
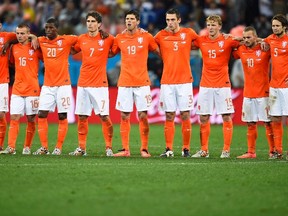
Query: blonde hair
{"x": 214, "y": 18}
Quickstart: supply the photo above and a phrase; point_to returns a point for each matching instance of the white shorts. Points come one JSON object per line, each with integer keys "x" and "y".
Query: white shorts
{"x": 255, "y": 109}
{"x": 173, "y": 96}
{"x": 91, "y": 97}
{"x": 220, "y": 98}
{"x": 57, "y": 95}
{"x": 4, "y": 97}
{"x": 127, "y": 95}
{"x": 278, "y": 101}
{"x": 24, "y": 105}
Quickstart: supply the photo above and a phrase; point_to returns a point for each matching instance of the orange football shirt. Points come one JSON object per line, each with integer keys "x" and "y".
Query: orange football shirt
{"x": 175, "y": 51}
{"x": 55, "y": 55}
{"x": 256, "y": 70}
{"x": 279, "y": 57}
{"x": 93, "y": 72}
{"x": 26, "y": 61}
{"x": 4, "y": 61}
{"x": 216, "y": 54}
{"x": 134, "y": 55}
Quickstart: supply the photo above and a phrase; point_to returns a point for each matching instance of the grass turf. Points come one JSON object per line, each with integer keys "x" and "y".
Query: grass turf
{"x": 96, "y": 185}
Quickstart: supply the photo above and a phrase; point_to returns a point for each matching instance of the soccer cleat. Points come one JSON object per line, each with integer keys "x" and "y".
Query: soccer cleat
{"x": 41, "y": 151}
{"x": 109, "y": 152}
{"x": 247, "y": 155}
{"x": 201, "y": 154}
{"x": 275, "y": 155}
{"x": 78, "y": 152}
{"x": 8, "y": 150}
{"x": 167, "y": 153}
{"x": 56, "y": 151}
{"x": 186, "y": 153}
{"x": 26, "y": 151}
{"x": 145, "y": 153}
{"x": 225, "y": 154}
{"x": 122, "y": 153}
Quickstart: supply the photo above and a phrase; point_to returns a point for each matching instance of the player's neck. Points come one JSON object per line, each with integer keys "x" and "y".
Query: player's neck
{"x": 93, "y": 33}
{"x": 280, "y": 35}
{"x": 132, "y": 31}
{"x": 213, "y": 37}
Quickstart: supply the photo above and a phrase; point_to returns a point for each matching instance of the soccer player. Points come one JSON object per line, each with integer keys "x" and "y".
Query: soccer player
{"x": 134, "y": 83}
{"x": 4, "y": 80}
{"x": 176, "y": 82}
{"x": 278, "y": 91}
{"x": 256, "y": 89}
{"x": 25, "y": 91}
{"x": 92, "y": 89}
{"x": 215, "y": 86}
{"x": 56, "y": 89}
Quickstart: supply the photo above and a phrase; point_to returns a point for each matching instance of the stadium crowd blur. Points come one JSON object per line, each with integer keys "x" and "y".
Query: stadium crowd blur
{"x": 236, "y": 14}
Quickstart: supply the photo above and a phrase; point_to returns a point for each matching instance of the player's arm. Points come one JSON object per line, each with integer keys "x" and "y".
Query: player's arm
{"x": 7, "y": 45}
{"x": 34, "y": 41}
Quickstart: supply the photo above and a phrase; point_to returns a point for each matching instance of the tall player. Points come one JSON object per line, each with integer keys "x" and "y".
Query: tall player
{"x": 134, "y": 83}
{"x": 25, "y": 91}
{"x": 278, "y": 92}
{"x": 256, "y": 90}
{"x": 176, "y": 82}
{"x": 215, "y": 86}
{"x": 56, "y": 90}
{"x": 4, "y": 80}
{"x": 92, "y": 89}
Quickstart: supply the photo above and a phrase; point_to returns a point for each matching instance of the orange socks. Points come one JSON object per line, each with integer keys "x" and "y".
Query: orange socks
{"x": 186, "y": 134}
{"x": 251, "y": 138}
{"x": 62, "y": 131}
{"x": 270, "y": 137}
{"x": 204, "y": 135}
{"x": 13, "y": 133}
{"x": 278, "y": 134}
{"x": 125, "y": 133}
{"x": 169, "y": 132}
{"x": 107, "y": 129}
{"x": 3, "y": 126}
{"x": 82, "y": 132}
{"x": 30, "y": 132}
{"x": 144, "y": 132}
{"x": 227, "y": 133}
{"x": 43, "y": 132}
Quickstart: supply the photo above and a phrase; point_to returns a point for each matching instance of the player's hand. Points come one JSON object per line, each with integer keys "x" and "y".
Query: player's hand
{"x": 4, "y": 49}
{"x": 264, "y": 46}
{"x": 34, "y": 41}
{"x": 103, "y": 34}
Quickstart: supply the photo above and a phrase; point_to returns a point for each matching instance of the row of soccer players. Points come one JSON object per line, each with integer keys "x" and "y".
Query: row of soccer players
{"x": 263, "y": 101}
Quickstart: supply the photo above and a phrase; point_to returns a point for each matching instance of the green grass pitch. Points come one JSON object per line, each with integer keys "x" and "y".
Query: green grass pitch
{"x": 97, "y": 185}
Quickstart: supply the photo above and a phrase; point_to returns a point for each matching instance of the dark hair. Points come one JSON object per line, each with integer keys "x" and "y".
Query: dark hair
{"x": 282, "y": 19}
{"x": 54, "y": 21}
{"x": 23, "y": 25}
{"x": 95, "y": 15}
{"x": 250, "y": 28}
{"x": 134, "y": 12}
{"x": 174, "y": 11}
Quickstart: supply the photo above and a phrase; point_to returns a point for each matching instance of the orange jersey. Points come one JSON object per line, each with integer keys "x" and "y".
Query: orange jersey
{"x": 55, "y": 55}
{"x": 256, "y": 70}
{"x": 216, "y": 54}
{"x": 134, "y": 55}
{"x": 4, "y": 62}
{"x": 279, "y": 57}
{"x": 175, "y": 50}
{"x": 94, "y": 60}
{"x": 26, "y": 61}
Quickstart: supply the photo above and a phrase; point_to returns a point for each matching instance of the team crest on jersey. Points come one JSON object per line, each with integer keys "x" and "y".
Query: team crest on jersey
{"x": 258, "y": 53}
{"x": 183, "y": 36}
{"x": 31, "y": 52}
{"x": 59, "y": 43}
{"x": 101, "y": 42}
{"x": 1, "y": 40}
{"x": 284, "y": 44}
{"x": 140, "y": 40}
{"x": 221, "y": 44}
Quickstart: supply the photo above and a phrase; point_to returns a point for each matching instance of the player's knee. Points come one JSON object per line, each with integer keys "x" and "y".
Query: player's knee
{"x": 142, "y": 115}
{"x": 62, "y": 116}
{"x": 170, "y": 116}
